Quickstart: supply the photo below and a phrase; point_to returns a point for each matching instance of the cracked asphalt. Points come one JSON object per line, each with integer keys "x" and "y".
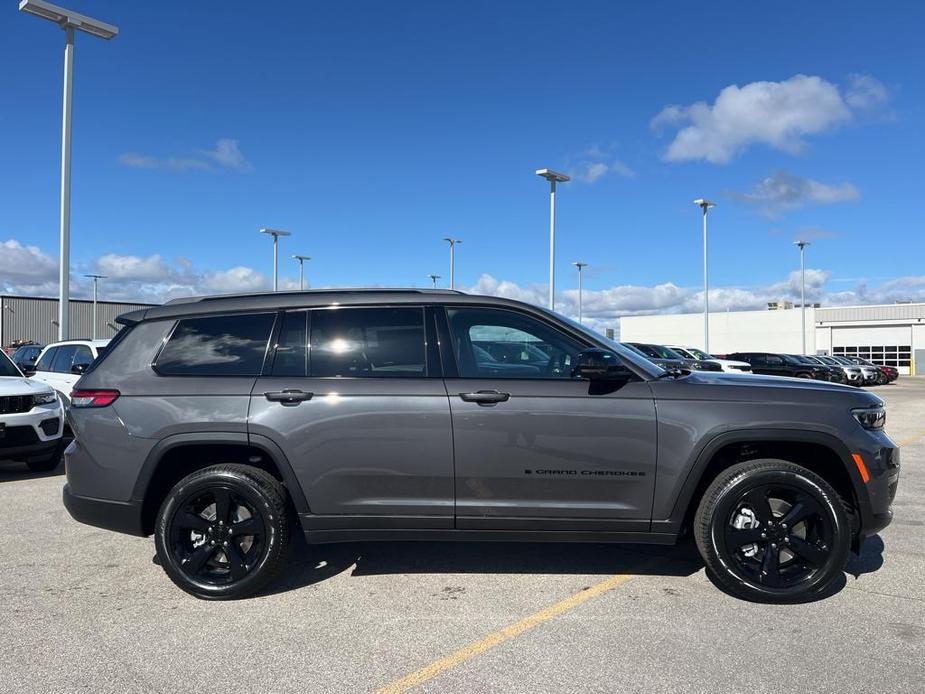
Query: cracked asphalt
{"x": 85, "y": 610}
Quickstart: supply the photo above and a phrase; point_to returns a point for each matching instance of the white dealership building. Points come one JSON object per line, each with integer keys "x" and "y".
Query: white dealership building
{"x": 891, "y": 334}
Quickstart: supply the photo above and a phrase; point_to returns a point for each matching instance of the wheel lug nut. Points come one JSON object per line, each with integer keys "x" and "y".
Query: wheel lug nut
{"x": 773, "y": 545}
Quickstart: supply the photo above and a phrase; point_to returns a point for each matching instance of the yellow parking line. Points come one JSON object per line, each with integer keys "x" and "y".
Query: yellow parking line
{"x": 909, "y": 442}
{"x": 506, "y": 634}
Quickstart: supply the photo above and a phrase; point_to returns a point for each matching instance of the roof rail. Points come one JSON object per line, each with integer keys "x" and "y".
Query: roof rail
{"x": 346, "y": 290}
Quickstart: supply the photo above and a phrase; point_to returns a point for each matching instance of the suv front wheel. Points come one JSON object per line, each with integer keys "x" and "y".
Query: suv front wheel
{"x": 222, "y": 532}
{"x": 772, "y": 531}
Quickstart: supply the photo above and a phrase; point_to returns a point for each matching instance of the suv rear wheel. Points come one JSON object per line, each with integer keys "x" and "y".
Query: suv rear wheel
{"x": 772, "y": 531}
{"x": 222, "y": 532}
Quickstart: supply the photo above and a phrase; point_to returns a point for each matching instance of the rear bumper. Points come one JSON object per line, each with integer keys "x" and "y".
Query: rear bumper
{"x": 121, "y": 516}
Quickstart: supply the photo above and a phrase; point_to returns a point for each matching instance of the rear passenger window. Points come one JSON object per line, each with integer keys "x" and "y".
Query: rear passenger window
{"x": 83, "y": 356}
{"x": 217, "y": 346}
{"x": 292, "y": 346}
{"x": 368, "y": 342}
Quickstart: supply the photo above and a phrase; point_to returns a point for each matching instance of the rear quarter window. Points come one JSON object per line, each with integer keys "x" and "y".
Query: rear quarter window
{"x": 232, "y": 345}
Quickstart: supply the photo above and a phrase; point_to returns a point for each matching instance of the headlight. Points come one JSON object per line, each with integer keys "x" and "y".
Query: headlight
{"x": 44, "y": 398}
{"x": 870, "y": 418}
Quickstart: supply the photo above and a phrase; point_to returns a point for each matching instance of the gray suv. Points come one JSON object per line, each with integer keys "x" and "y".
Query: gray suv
{"x": 223, "y": 425}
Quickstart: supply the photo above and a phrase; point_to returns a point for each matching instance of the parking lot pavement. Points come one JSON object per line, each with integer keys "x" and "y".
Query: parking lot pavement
{"x": 87, "y": 610}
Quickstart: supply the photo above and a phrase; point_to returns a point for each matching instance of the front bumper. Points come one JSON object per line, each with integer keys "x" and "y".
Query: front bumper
{"x": 881, "y": 459}
{"x": 32, "y": 434}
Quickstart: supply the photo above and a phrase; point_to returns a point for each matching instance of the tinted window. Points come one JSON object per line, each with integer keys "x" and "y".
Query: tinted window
{"x": 493, "y": 343}
{"x": 368, "y": 342}
{"x": 774, "y": 360}
{"x": 47, "y": 359}
{"x": 217, "y": 346}
{"x": 63, "y": 359}
{"x": 7, "y": 368}
{"x": 83, "y": 356}
{"x": 291, "y": 357}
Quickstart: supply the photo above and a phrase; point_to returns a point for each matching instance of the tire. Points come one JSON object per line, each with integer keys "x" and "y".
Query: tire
{"x": 222, "y": 532}
{"x": 804, "y": 375}
{"x": 47, "y": 464}
{"x": 768, "y": 560}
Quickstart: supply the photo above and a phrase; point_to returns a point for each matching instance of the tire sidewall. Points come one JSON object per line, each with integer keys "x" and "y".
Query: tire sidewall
{"x": 241, "y": 485}
{"x": 834, "y": 513}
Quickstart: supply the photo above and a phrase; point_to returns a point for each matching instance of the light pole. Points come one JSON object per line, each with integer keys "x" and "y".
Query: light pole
{"x": 553, "y": 178}
{"x": 301, "y": 259}
{"x": 275, "y": 233}
{"x": 802, "y": 246}
{"x": 96, "y": 279}
{"x": 452, "y": 243}
{"x": 69, "y": 21}
{"x": 434, "y": 278}
{"x": 581, "y": 266}
{"x": 705, "y": 205}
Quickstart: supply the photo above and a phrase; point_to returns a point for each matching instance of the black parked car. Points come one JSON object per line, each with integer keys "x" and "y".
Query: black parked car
{"x": 662, "y": 355}
{"x": 25, "y": 357}
{"x": 781, "y": 365}
{"x": 830, "y": 373}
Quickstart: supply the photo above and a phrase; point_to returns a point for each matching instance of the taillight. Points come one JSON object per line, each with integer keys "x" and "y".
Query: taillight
{"x": 93, "y": 398}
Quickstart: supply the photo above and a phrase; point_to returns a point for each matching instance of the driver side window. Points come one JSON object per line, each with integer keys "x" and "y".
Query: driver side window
{"x": 495, "y": 343}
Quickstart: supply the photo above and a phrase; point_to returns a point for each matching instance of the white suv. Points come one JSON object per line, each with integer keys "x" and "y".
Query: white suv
{"x": 31, "y": 419}
{"x": 61, "y": 364}
{"x": 729, "y": 365}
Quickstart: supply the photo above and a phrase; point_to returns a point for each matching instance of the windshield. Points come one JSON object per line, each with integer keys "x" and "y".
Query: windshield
{"x": 698, "y": 353}
{"x": 8, "y": 368}
{"x": 624, "y": 351}
{"x": 790, "y": 359}
{"x": 801, "y": 359}
{"x": 828, "y": 360}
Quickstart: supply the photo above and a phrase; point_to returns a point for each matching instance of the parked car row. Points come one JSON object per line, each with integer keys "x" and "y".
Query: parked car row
{"x": 848, "y": 370}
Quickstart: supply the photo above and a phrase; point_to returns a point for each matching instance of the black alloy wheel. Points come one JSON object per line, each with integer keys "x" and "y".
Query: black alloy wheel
{"x": 222, "y": 532}
{"x": 772, "y": 531}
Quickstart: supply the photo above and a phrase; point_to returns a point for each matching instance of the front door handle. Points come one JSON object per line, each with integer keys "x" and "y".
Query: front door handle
{"x": 289, "y": 397}
{"x": 486, "y": 397}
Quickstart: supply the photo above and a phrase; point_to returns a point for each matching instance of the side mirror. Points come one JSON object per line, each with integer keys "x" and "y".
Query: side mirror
{"x": 600, "y": 365}
{"x": 79, "y": 368}
{"x": 28, "y": 369}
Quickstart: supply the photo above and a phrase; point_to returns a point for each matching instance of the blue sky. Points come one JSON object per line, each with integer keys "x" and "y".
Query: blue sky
{"x": 372, "y": 130}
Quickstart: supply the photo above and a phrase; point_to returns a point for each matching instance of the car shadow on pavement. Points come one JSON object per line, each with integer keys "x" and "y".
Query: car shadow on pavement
{"x": 310, "y": 565}
{"x": 14, "y": 471}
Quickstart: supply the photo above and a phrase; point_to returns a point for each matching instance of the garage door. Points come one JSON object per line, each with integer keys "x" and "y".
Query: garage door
{"x": 885, "y": 345}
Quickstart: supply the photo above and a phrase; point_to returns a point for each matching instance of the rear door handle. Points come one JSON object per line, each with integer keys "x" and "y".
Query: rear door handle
{"x": 290, "y": 396}
{"x": 486, "y": 397}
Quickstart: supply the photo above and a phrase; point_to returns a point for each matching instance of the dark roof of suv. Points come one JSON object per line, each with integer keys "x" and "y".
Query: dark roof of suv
{"x": 273, "y": 301}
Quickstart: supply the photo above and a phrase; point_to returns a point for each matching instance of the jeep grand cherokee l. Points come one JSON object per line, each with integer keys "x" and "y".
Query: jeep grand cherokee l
{"x": 221, "y": 425}
{"x": 31, "y": 419}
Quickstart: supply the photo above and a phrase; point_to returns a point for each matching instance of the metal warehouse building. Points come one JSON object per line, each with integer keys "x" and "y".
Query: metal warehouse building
{"x": 36, "y": 319}
{"x": 891, "y": 334}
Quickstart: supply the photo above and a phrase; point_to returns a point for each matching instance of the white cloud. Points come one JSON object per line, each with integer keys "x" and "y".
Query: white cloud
{"x": 776, "y": 114}
{"x": 226, "y": 155}
{"x": 866, "y": 92}
{"x": 151, "y": 279}
{"x": 26, "y": 267}
{"x": 783, "y": 191}
{"x": 133, "y": 267}
{"x": 595, "y": 163}
{"x": 603, "y": 308}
